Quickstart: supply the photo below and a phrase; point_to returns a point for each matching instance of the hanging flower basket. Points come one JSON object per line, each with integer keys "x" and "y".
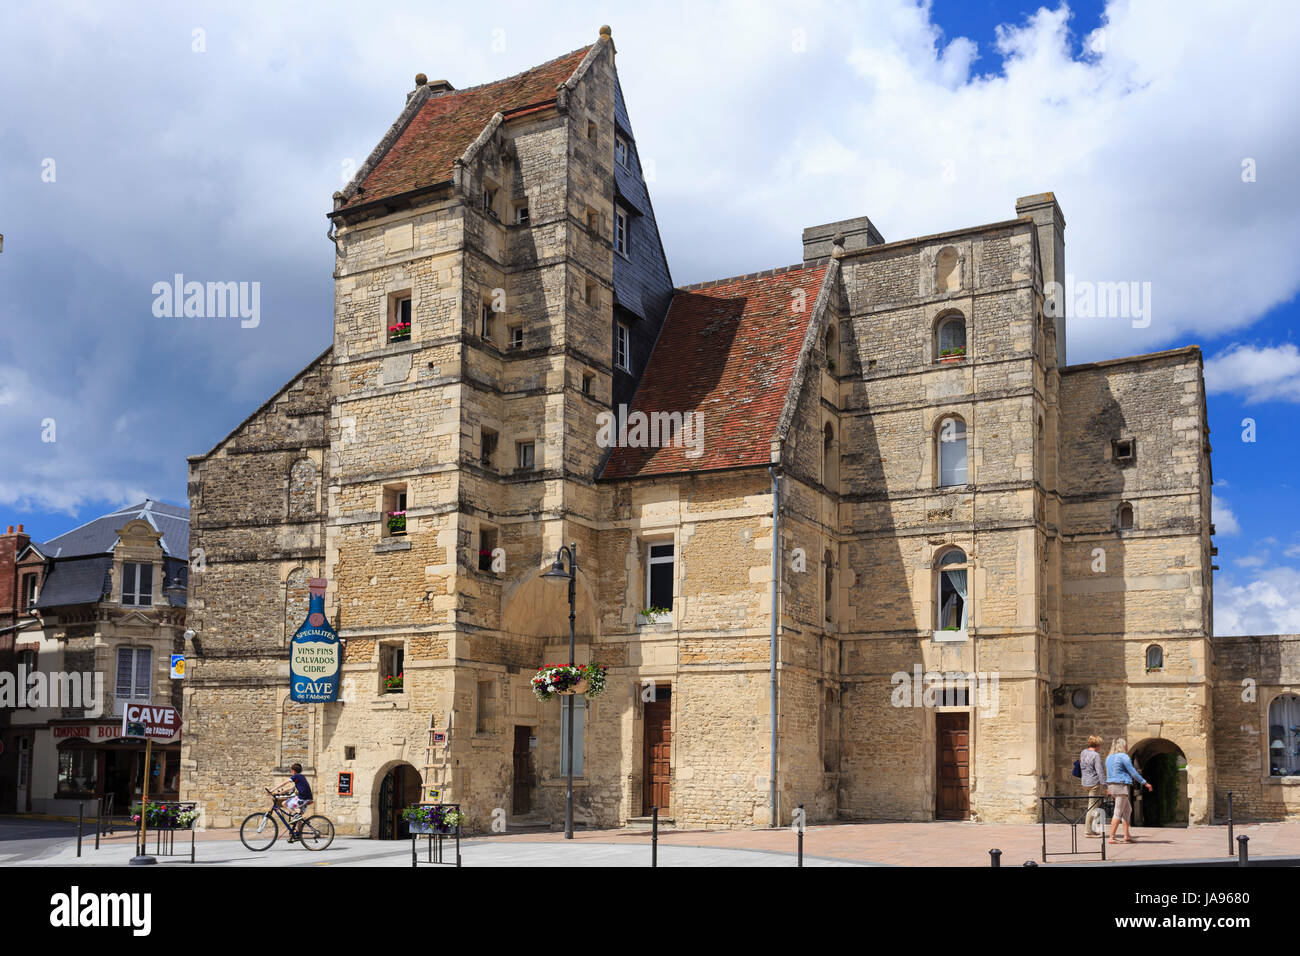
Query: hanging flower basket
{"x": 555, "y": 680}
{"x": 432, "y": 818}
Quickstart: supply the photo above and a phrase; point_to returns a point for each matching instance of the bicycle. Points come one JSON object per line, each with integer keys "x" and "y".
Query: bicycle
{"x": 314, "y": 833}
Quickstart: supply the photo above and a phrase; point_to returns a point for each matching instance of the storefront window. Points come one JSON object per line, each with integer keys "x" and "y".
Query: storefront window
{"x": 77, "y": 769}
{"x": 1284, "y": 736}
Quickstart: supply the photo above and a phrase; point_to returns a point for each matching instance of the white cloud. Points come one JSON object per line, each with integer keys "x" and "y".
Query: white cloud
{"x": 1250, "y": 561}
{"x": 1221, "y": 516}
{"x": 1257, "y": 373}
{"x": 1265, "y": 605}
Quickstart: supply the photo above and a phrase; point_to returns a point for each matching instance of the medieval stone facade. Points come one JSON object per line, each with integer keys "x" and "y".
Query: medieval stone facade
{"x": 947, "y": 496}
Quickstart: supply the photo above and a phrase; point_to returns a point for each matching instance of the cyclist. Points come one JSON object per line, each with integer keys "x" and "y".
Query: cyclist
{"x": 300, "y": 798}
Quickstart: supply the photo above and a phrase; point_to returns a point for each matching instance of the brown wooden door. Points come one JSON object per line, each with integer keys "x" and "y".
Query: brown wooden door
{"x": 952, "y": 801}
{"x": 658, "y": 752}
{"x": 523, "y": 789}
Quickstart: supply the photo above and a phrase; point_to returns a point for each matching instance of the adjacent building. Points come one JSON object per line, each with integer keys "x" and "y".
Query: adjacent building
{"x": 874, "y": 460}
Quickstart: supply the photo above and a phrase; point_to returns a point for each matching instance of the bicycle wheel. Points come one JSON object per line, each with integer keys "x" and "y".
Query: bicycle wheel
{"x": 316, "y": 833}
{"x": 258, "y": 831}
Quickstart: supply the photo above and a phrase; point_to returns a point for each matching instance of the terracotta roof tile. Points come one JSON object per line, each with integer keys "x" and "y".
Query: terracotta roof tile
{"x": 727, "y": 351}
{"x": 447, "y": 123}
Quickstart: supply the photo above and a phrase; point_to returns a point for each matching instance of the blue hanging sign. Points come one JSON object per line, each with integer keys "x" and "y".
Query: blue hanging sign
{"x": 315, "y": 655}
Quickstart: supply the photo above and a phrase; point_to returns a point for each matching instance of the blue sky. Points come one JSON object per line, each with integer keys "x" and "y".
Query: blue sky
{"x": 151, "y": 139}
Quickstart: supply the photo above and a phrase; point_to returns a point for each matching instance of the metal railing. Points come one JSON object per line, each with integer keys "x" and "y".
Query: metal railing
{"x": 1072, "y": 811}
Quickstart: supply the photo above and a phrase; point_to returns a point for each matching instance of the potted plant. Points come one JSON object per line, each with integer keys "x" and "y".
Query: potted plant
{"x": 397, "y": 522}
{"x": 655, "y": 615}
{"x": 166, "y": 816}
{"x": 554, "y": 680}
{"x": 399, "y": 332}
{"x": 484, "y": 559}
{"x": 393, "y": 684}
{"x": 433, "y": 818}
{"x": 957, "y": 354}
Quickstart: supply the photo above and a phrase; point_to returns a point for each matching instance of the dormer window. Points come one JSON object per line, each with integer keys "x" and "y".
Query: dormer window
{"x": 137, "y": 584}
{"x": 489, "y": 201}
{"x": 620, "y": 232}
{"x": 622, "y": 347}
{"x": 620, "y": 151}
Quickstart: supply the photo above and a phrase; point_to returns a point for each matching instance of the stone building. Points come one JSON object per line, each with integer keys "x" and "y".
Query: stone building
{"x": 512, "y": 370}
{"x": 110, "y": 595}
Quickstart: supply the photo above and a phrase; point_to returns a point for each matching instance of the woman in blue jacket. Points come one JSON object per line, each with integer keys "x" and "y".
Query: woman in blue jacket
{"x": 1120, "y": 775}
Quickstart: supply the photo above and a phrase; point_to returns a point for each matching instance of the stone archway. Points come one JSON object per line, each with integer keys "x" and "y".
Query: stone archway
{"x": 397, "y": 786}
{"x": 535, "y": 607}
{"x": 1164, "y": 765}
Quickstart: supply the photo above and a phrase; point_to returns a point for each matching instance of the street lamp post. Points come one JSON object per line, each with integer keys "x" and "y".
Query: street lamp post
{"x": 558, "y": 573}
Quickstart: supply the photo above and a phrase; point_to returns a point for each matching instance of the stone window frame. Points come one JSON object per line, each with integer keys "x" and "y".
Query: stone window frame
{"x": 486, "y": 455}
{"x": 830, "y": 342}
{"x": 486, "y": 533}
{"x": 316, "y": 486}
{"x": 134, "y": 695}
{"x": 485, "y": 725}
{"x": 1125, "y": 508}
{"x": 528, "y": 461}
{"x": 828, "y": 586}
{"x": 945, "y": 318}
{"x": 1126, "y": 445}
{"x": 1158, "y": 657}
{"x": 520, "y": 216}
{"x": 647, "y": 542}
{"x": 393, "y": 496}
{"x": 515, "y": 337}
{"x": 135, "y": 592}
{"x": 957, "y": 268}
{"x": 830, "y": 455}
{"x": 937, "y": 568}
{"x": 938, "y": 442}
{"x": 385, "y": 664}
{"x": 486, "y": 323}
{"x": 393, "y": 314}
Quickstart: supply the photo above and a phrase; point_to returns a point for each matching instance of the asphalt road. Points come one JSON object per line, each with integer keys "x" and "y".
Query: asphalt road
{"x": 26, "y": 841}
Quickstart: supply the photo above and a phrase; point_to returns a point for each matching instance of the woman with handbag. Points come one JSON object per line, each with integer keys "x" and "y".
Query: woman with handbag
{"x": 1120, "y": 775}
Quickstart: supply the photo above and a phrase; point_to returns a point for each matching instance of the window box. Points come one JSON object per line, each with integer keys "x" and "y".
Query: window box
{"x": 393, "y": 683}
{"x": 485, "y": 560}
{"x": 949, "y": 635}
{"x": 400, "y": 332}
{"x": 397, "y": 522}
{"x": 655, "y": 615}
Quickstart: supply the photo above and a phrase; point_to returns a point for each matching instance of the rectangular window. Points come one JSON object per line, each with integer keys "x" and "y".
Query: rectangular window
{"x": 399, "y": 325}
{"x": 591, "y": 130}
{"x": 489, "y": 201}
{"x": 487, "y": 543}
{"x": 137, "y": 584}
{"x": 394, "y": 510}
{"x": 488, "y": 449}
{"x": 659, "y": 576}
{"x": 587, "y": 381}
{"x": 134, "y": 667}
{"x": 1125, "y": 450}
{"x": 485, "y": 321}
{"x": 589, "y": 292}
{"x": 516, "y": 336}
{"x": 593, "y": 220}
{"x": 77, "y": 765}
{"x": 521, "y": 215}
{"x": 392, "y": 657}
{"x": 620, "y": 232}
{"x": 622, "y": 347}
{"x": 483, "y": 720}
{"x": 524, "y": 450}
{"x": 29, "y": 590}
{"x": 620, "y": 151}
{"x": 579, "y": 725}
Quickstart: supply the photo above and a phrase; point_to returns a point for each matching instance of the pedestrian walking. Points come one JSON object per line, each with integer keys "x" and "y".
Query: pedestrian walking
{"x": 1120, "y": 776}
{"x": 1092, "y": 771}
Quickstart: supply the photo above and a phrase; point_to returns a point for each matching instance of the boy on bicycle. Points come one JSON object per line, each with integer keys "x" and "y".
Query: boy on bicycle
{"x": 301, "y": 797}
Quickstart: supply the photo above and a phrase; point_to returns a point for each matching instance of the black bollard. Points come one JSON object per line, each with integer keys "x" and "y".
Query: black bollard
{"x": 995, "y": 858}
{"x": 1230, "y": 843}
{"x": 81, "y": 816}
{"x": 654, "y": 836}
{"x": 99, "y": 820}
{"x": 413, "y": 860}
{"x": 1243, "y": 854}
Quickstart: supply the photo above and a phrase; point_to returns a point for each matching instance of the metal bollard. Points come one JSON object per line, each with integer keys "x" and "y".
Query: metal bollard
{"x": 801, "y": 819}
{"x": 1230, "y": 843}
{"x": 995, "y": 858}
{"x": 1243, "y": 853}
{"x": 99, "y": 820}
{"x": 654, "y": 836}
{"x": 192, "y": 829}
{"x": 81, "y": 817}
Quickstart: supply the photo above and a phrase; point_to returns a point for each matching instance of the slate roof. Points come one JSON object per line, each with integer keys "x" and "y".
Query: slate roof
{"x": 76, "y": 581}
{"x": 100, "y": 535}
{"x": 728, "y": 351}
{"x": 447, "y": 123}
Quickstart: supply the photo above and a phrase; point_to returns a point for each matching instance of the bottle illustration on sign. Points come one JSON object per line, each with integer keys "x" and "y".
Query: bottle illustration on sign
{"x": 315, "y": 657}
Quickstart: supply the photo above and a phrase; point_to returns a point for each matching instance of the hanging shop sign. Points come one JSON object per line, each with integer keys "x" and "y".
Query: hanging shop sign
{"x": 315, "y": 655}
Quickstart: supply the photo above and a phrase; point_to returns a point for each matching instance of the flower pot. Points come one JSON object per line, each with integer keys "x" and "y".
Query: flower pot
{"x": 578, "y": 688}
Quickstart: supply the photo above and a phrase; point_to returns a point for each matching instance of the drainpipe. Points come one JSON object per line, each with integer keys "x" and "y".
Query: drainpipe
{"x": 776, "y": 592}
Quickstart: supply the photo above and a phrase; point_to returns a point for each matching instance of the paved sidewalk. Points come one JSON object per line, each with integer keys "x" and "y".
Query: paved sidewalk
{"x": 887, "y": 844}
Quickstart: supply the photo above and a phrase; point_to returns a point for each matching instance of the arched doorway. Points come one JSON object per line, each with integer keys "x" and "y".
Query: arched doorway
{"x": 399, "y": 788}
{"x": 1164, "y": 766}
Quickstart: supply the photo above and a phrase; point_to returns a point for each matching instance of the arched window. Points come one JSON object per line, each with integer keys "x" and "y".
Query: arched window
{"x": 950, "y": 337}
{"x": 950, "y": 594}
{"x": 1284, "y": 736}
{"x": 951, "y": 440}
{"x": 947, "y": 272}
{"x": 1125, "y": 517}
{"x": 828, "y": 456}
{"x": 1155, "y": 658}
{"x": 830, "y": 585}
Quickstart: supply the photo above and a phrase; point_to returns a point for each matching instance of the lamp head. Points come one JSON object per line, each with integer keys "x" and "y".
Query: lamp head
{"x": 557, "y": 572}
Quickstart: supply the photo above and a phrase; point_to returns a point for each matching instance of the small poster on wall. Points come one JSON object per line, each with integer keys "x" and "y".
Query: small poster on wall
{"x": 345, "y": 783}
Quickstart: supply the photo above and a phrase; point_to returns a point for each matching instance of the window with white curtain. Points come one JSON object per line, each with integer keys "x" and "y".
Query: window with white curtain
{"x": 951, "y": 438}
{"x": 1284, "y": 736}
{"x": 950, "y": 595}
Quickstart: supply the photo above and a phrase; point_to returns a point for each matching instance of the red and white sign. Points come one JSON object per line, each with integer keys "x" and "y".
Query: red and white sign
{"x": 86, "y": 731}
{"x": 155, "y": 721}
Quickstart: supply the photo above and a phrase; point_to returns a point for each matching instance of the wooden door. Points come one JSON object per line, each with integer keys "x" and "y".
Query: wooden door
{"x": 523, "y": 788}
{"x": 658, "y": 752}
{"x": 952, "y": 799}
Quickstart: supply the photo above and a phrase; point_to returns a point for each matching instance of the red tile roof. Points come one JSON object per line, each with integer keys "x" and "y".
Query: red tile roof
{"x": 728, "y": 351}
{"x": 447, "y": 123}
